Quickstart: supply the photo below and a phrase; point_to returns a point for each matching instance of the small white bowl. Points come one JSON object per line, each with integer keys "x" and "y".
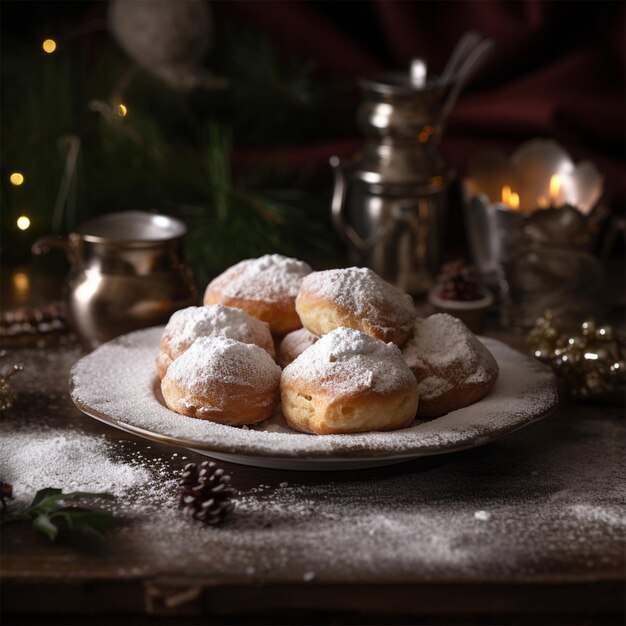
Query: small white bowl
{"x": 470, "y": 312}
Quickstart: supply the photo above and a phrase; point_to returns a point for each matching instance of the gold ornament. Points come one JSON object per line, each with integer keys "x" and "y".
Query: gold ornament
{"x": 590, "y": 364}
{"x": 6, "y": 393}
{"x": 604, "y": 332}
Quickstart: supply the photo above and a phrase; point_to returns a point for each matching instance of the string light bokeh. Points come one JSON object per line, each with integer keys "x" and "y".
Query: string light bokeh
{"x": 23, "y": 222}
{"x": 16, "y": 178}
{"x": 49, "y": 46}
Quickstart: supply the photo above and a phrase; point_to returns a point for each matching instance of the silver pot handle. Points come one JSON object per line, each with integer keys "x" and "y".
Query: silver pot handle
{"x": 43, "y": 245}
{"x": 338, "y": 207}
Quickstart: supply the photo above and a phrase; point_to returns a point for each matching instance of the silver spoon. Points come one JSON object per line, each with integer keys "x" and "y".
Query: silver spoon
{"x": 463, "y": 47}
{"x": 470, "y": 64}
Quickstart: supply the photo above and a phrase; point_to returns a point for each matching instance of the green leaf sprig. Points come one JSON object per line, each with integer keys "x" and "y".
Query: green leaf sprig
{"x": 50, "y": 511}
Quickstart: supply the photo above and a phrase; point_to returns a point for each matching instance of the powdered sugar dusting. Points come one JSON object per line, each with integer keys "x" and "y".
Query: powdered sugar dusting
{"x": 550, "y": 500}
{"x": 214, "y": 361}
{"x": 119, "y": 380}
{"x": 347, "y": 361}
{"x": 444, "y": 353}
{"x": 71, "y": 460}
{"x": 364, "y": 294}
{"x": 272, "y": 277}
{"x": 187, "y": 325}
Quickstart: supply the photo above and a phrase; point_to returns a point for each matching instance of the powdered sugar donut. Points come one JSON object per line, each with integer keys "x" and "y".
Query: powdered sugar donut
{"x": 265, "y": 288}
{"x": 187, "y": 325}
{"x": 294, "y": 344}
{"x": 452, "y": 367}
{"x": 358, "y": 298}
{"x": 348, "y": 382}
{"x": 223, "y": 380}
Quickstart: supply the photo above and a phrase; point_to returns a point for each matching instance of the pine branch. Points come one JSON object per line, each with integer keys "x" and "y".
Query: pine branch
{"x": 171, "y": 153}
{"x": 49, "y": 513}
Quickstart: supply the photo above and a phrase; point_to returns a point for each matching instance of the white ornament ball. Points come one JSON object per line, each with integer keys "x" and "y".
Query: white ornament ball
{"x": 168, "y": 38}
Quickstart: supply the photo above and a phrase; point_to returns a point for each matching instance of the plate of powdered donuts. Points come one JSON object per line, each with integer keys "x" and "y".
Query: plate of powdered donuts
{"x": 284, "y": 367}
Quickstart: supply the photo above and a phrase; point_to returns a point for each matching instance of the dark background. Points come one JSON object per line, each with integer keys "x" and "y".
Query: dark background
{"x": 558, "y": 71}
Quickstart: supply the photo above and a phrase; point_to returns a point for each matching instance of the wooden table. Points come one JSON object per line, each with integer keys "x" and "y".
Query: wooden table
{"x": 526, "y": 530}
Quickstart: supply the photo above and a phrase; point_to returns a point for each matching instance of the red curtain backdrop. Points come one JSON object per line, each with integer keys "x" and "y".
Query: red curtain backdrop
{"x": 557, "y": 71}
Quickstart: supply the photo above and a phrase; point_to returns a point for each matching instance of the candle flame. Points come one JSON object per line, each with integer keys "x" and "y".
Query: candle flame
{"x": 506, "y": 194}
{"x": 510, "y": 198}
{"x": 555, "y": 186}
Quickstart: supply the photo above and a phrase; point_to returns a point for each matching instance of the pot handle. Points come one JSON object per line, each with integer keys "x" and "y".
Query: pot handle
{"x": 44, "y": 244}
{"x": 338, "y": 206}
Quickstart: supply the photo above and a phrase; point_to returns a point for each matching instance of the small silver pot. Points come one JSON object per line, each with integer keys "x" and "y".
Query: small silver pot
{"x": 126, "y": 273}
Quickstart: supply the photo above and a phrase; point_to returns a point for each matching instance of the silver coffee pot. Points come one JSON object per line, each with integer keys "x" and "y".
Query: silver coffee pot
{"x": 390, "y": 199}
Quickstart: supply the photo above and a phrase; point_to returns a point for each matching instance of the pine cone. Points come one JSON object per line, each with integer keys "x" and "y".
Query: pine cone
{"x": 205, "y": 493}
{"x": 459, "y": 282}
{"x": 6, "y": 492}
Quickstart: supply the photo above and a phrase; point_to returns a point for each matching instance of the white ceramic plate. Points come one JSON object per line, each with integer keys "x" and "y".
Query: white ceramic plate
{"x": 118, "y": 384}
